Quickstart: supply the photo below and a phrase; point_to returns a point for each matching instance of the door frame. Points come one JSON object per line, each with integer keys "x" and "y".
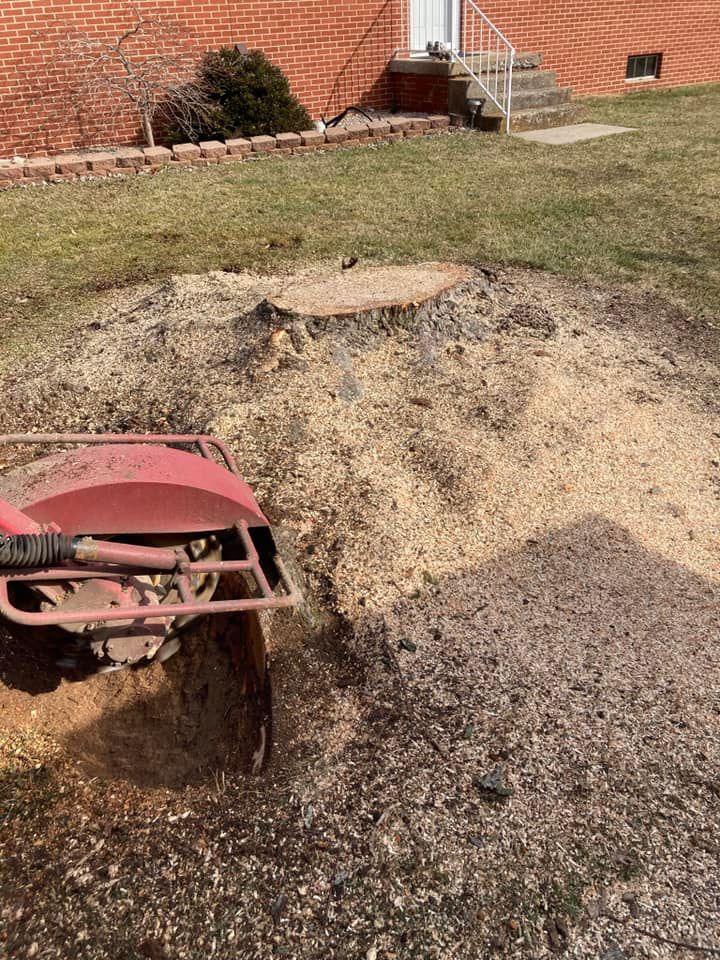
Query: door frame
{"x": 454, "y": 24}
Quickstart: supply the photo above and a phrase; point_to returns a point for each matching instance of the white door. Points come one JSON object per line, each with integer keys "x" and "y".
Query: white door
{"x": 432, "y": 21}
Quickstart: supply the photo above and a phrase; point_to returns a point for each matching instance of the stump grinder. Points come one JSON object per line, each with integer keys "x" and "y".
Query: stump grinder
{"x": 120, "y": 540}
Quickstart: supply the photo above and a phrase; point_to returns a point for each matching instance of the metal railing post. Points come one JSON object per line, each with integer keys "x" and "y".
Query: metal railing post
{"x": 474, "y": 21}
{"x": 508, "y": 87}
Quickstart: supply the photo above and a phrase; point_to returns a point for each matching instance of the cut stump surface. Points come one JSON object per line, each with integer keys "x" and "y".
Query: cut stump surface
{"x": 368, "y": 290}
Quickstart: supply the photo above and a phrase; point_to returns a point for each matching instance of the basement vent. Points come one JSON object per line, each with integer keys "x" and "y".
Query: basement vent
{"x": 645, "y": 67}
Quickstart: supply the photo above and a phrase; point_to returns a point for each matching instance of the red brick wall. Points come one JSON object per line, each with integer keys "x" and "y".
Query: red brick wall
{"x": 418, "y": 92}
{"x": 588, "y": 41}
{"x": 334, "y": 53}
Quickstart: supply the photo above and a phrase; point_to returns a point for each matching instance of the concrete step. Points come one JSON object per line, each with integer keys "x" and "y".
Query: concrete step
{"x": 522, "y": 80}
{"x": 429, "y": 66}
{"x": 534, "y": 89}
{"x": 532, "y": 79}
{"x": 522, "y": 61}
{"x": 530, "y": 100}
{"x": 536, "y": 118}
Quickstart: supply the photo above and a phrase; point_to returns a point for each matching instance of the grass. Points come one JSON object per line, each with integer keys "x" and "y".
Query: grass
{"x": 642, "y": 208}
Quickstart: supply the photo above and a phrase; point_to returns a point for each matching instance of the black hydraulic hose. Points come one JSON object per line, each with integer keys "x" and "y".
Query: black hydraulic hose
{"x": 36, "y": 549}
{"x": 335, "y": 120}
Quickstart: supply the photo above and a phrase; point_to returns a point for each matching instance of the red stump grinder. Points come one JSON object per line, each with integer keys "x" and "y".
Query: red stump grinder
{"x": 120, "y": 541}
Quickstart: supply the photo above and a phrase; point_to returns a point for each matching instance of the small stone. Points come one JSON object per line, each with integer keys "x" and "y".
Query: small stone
{"x": 101, "y": 162}
{"x": 157, "y": 156}
{"x": 357, "y": 131}
{"x": 336, "y": 135}
{"x": 130, "y": 157}
{"x": 613, "y": 952}
{"x": 378, "y": 128}
{"x": 70, "y": 163}
{"x": 186, "y": 151}
{"x": 338, "y": 883}
{"x": 632, "y": 904}
{"x": 39, "y": 167}
{"x": 262, "y": 144}
{"x": 288, "y": 139}
{"x": 278, "y": 908}
{"x": 494, "y": 784}
{"x": 10, "y": 172}
{"x": 238, "y": 146}
{"x": 408, "y": 645}
{"x": 312, "y": 138}
{"x": 212, "y": 149}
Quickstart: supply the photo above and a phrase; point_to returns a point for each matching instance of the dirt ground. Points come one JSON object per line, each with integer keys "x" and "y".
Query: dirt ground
{"x": 496, "y": 718}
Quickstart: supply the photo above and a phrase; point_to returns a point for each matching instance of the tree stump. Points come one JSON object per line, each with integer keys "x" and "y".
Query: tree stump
{"x": 370, "y": 299}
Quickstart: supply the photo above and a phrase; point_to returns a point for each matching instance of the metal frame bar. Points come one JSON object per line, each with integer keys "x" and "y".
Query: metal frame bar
{"x": 185, "y": 568}
{"x": 112, "y": 560}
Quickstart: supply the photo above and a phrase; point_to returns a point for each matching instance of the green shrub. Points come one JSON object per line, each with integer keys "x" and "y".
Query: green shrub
{"x": 247, "y": 96}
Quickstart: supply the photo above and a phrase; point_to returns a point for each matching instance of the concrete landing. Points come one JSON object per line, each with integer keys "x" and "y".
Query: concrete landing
{"x": 572, "y": 134}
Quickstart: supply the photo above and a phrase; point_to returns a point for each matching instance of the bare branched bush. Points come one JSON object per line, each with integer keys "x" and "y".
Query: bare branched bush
{"x": 150, "y": 67}
{"x": 185, "y": 111}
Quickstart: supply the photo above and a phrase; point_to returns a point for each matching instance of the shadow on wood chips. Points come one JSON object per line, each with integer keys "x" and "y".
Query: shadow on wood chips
{"x": 602, "y": 677}
{"x": 160, "y": 725}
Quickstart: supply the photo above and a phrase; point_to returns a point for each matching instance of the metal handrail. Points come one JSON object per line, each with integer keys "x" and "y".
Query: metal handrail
{"x": 480, "y": 38}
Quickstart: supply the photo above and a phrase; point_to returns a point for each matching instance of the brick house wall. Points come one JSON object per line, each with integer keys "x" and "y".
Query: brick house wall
{"x": 333, "y": 53}
{"x": 336, "y": 53}
{"x": 588, "y": 41}
{"x": 416, "y": 92}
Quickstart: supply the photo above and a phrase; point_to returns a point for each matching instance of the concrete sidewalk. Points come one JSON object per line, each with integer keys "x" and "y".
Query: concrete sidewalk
{"x": 572, "y": 134}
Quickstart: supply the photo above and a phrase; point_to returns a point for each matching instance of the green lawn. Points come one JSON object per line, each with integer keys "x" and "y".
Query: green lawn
{"x": 642, "y": 208}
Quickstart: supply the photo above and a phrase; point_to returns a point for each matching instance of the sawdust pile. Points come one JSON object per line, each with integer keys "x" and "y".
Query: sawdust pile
{"x": 497, "y": 725}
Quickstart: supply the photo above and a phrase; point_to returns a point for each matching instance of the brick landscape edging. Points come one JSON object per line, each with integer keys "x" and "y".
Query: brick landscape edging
{"x": 127, "y": 161}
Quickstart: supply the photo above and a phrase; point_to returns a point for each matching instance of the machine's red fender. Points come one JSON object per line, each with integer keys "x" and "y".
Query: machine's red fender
{"x": 131, "y": 489}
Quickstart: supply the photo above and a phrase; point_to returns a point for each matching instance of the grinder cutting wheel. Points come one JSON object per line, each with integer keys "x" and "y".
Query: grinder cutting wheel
{"x": 120, "y": 541}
